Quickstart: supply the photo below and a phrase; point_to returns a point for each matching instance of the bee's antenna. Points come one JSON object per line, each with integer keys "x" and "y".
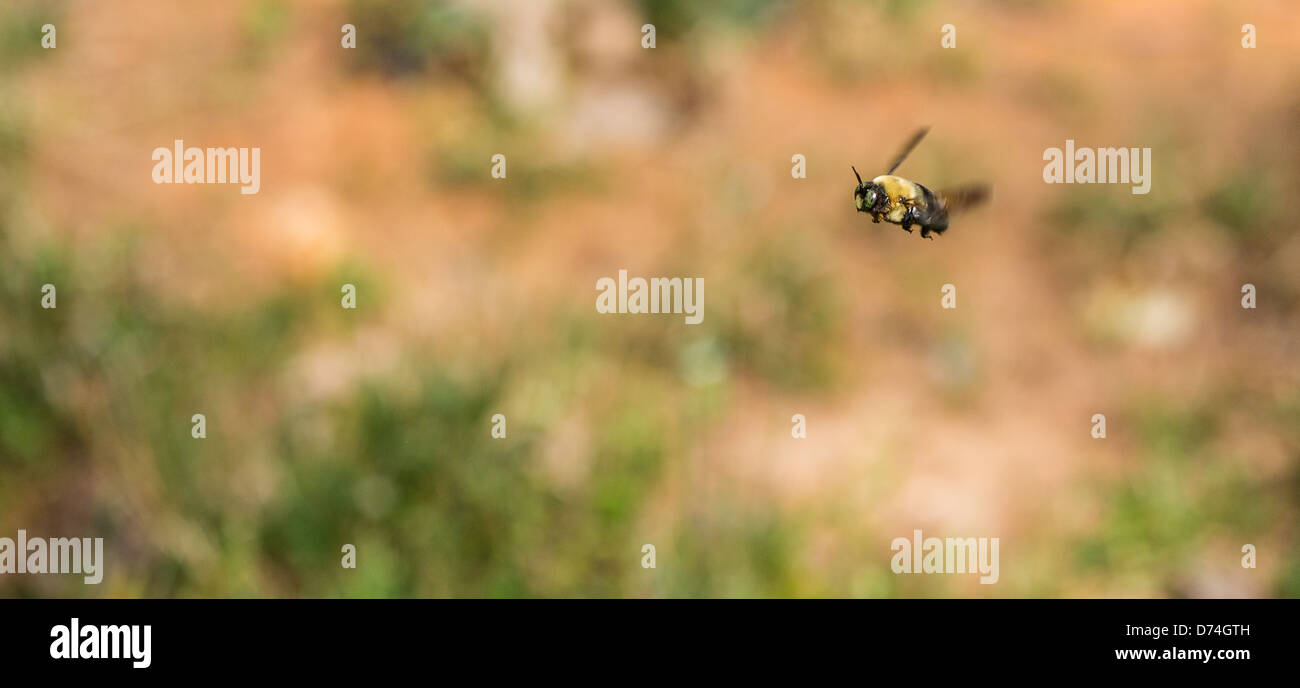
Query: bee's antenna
{"x": 855, "y": 173}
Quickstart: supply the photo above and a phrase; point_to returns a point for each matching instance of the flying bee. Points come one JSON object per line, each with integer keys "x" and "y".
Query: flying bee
{"x": 905, "y": 203}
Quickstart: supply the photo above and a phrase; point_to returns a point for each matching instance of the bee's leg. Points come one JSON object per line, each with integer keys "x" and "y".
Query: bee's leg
{"x": 913, "y": 217}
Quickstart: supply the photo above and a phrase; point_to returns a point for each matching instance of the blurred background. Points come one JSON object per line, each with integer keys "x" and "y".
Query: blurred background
{"x": 476, "y": 296}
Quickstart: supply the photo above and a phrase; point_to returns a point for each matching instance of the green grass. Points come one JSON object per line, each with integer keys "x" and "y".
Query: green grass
{"x": 407, "y": 39}
{"x": 1182, "y": 494}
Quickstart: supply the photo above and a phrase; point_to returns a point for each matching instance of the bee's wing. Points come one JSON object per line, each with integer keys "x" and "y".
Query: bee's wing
{"x": 963, "y": 197}
{"x": 907, "y": 149}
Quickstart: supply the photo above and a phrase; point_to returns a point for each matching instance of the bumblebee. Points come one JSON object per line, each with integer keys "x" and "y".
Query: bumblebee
{"x": 905, "y": 203}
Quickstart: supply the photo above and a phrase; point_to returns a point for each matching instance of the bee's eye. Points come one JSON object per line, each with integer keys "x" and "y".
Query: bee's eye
{"x": 871, "y": 197}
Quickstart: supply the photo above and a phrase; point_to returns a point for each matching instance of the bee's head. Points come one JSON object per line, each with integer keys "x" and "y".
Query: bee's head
{"x": 866, "y": 195}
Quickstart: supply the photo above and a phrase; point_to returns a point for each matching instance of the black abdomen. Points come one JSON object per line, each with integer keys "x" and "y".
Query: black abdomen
{"x": 933, "y": 216}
